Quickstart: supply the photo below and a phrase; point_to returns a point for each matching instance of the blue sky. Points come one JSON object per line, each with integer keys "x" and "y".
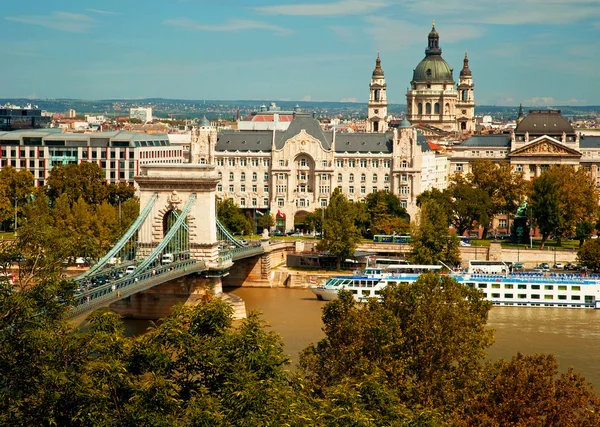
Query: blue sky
{"x": 539, "y": 52}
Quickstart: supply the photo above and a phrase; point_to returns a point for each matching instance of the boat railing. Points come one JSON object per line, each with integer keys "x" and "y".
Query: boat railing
{"x": 537, "y": 278}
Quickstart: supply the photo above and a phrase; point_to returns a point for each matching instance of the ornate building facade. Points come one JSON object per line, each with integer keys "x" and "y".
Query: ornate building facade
{"x": 433, "y": 100}
{"x": 293, "y": 172}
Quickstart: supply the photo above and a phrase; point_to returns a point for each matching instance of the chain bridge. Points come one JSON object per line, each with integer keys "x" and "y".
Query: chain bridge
{"x": 174, "y": 250}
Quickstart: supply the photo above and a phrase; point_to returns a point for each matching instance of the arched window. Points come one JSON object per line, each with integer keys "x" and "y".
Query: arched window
{"x": 363, "y": 177}
{"x": 386, "y": 178}
{"x": 404, "y": 164}
{"x": 243, "y": 176}
{"x": 230, "y": 176}
{"x": 351, "y": 177}
{"x": 464, "y": 95}
{"x": 428, "y": 108}
{"x": 254, "y": 176}
{"x": 374, "y": 177}
{"x": 420, "y": 108}
{"x": 339, "y": 177}
{"x": 436, "y": 108}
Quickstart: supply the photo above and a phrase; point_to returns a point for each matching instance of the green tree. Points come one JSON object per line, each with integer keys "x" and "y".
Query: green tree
{"x": 340, "y": 235}
{"x": 506, "y": 188}
{"x": 583, "y": 230}
{"x": 545, "y": 205}
{"x": 422, "y": 343}
{"x": 233, "y": 218}
{"x": 266, "y": 221}
{"x": 470, "y": 205}
{"x": 314, "y": 220}
{"x": 431, "y": 240}
{"x": 386, "y": 216}
{"x": 589, "y": 254}
{"x": 16, "y": 188}
{"x": 85, "y": 180}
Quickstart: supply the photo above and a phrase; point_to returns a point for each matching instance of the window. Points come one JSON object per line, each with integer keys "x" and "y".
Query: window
{"x": 502, "y": 223}
{"x": 548, "y": 297}
{"x": 339, "y": 177}
{"x": 535, "y": 296}
{"x": 459, "y": 167}
{"x": 363, "y": 189}
{"x": 324, "y": 189}
{"x": 302, "y": 162}
{"x": 266, "y": 162}
{"x": 351, "y": 163}
{"x": 508, "y": 286}
{"x": 242, "y": 162}
{"x": 243, "y": 188}
{"x": 508, "y": 295}
{"x": 363, "y": 163}
{"x": 281, "y": 188}
{"x": 576, "y": 288}
{"x": 386, "y": 189}
{"x": 231, "y": 176}
{"x": 231, "y": 162}
{"x": 522, "y": 286}
{"x": 254, "y": 162}
{"x": 219, "y": 187}
{"x": 404, "y": 164}
{"x": 351, "y": 178}
{"x": 323, "y": 203}
{"x": 231, "y": 188}
{"x": 266, "y": 177}
{"x": 386, "y": 163}
{"x": 280, "y": 203}
{"x": 242, "y": 202}
{"x": 403, "y": 203}
{"x": 562, "y": 287}
{"x": 324, "y": 163}
{"x": 265, "y": 202}
{"x": 522, "y": 296}
{"x": 575, "y": 297}
{"x": 351, "y": 189}
{"x": 375, "y": 163}
{"x": 374, "y": 189}
{"x": 266, "y": 188}
{"x": 302, "y": 203}
{"x": 386, "y": 178}
{"x": 219, "y": 162}
{"x": 282, "y": 163}
{"x": 374, "y": 177}
{"x": 324, "y": 177}
{"x": 404, "y": 190}
{"x": 495, "y": 295}
{"x": 519, "y": 168}
{"x": 548, "y": 287}
{"x": 363, "y": 177}
{"x": 482, "y": 285}
{"x": 254, "y": 202}
{"x": 537, "y": 287}
{"x": 254, "y": 188}
{"x": 404, "y": 178}
{"x": 254, "y": 176}
{"x": 339, "y": 163}
{"x": 495, "y": 285}
{"x": 243, "y": 176}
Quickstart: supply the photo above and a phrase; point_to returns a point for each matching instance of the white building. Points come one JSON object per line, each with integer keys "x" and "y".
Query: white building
{"x": 143, "y": 114}
{"x": 271, "y": 118}
{"x": 95, "y": 120}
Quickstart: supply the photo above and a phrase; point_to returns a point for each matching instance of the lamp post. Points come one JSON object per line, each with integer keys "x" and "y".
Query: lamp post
{"x": 119, "y": 202}
{"x": 15, "y": 226}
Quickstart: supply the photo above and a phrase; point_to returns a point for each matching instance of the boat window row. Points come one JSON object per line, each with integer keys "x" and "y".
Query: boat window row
{"x": 589, "y": 299}
{"x": 524, "y": 286}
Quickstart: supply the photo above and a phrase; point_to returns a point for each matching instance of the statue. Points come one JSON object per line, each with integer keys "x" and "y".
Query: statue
{"x": 522, "y": 210}
{"x": 265, "y": 234}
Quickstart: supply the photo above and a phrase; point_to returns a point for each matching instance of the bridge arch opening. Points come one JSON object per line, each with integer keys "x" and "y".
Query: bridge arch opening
{"x": 179, "y": 243}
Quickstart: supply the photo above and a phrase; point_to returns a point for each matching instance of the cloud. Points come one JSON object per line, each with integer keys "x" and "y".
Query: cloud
{"x": 390, "y": 34}
{"x": 541, "y": 101}
{"x": 508, "y": 12}
{"x": 101, "y": 12}
{"x": 63, "y": 21}
{"x": 342, "y": 7}
{"x": 231, "y": 25}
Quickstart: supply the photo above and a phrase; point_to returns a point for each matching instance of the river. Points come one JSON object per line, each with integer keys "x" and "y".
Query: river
{"x": 572, "y": 335}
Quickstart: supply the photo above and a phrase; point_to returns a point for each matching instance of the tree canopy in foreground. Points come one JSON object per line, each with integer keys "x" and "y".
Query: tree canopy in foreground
{"x": 415, "y": 359}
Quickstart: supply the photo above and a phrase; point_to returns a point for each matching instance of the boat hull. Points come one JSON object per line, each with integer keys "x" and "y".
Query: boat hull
{"x": 324, "y": 294}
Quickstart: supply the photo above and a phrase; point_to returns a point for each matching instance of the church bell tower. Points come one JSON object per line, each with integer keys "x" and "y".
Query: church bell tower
{"x": 377, "y": 113}
{"x": 465, "y": 106}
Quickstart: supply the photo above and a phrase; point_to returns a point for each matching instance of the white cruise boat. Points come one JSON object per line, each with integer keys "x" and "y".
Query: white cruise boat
{"x": 511, "y": 289}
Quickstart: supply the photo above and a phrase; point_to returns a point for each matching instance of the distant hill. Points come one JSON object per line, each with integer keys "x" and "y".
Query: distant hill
{"x": 227, "y": 109}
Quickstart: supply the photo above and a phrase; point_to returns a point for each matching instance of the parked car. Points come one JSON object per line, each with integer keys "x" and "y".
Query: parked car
{"x": 244, "y": 242}
{"x": 277, "y": 233}
{"x": 517, "y": 266}
{"x": 542, "y": 267}
{"x": 557, "y": 265}
{"x": 130, "y": 269}
{"x": 569, "y": 266}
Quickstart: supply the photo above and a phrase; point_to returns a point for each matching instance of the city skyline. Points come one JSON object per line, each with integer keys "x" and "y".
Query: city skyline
{"x": 541, "y": 52}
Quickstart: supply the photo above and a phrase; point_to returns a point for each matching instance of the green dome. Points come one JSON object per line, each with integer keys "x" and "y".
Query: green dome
{"x": 433, "y": 69}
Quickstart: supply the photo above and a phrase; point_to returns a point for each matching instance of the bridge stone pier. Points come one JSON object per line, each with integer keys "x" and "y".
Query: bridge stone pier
{"x": 174, "y": 185}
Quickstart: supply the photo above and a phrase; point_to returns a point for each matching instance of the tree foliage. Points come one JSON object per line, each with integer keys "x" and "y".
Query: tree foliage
{"x": 340, "y": 235}
{"x": 233, "y": 218}
{"x": 563, "y": 197}
{"x": 470, "y": 205}
{"x": 431, "y": 240}
{"x": 589, "y": 254}
{"x": 16, "y": 188}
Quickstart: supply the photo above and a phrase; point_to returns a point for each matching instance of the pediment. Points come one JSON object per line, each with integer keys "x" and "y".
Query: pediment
{"x": 545, "y": 147}
{"x": 302, "y": 138}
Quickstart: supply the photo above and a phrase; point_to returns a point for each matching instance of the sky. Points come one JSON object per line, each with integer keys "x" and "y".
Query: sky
{"x": 538, "y": 52}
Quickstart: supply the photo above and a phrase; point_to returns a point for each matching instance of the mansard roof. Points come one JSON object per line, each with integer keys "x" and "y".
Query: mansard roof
{"x": 364, "y": 142}
{"x": 244, "y": 141}
{"x": 587, "y": 142}
{"x": 483, "y": 141}
{"x": 544, "y": 122}
{"x": 306, "y": 122}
